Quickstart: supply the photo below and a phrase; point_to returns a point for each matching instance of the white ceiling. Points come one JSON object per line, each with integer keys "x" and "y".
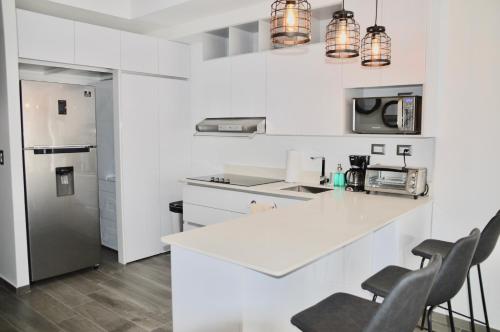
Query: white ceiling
{"x": 167, "y": 18}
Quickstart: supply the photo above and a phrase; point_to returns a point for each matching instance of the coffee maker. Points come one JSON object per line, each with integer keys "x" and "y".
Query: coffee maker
{"x": 355, "y": 177}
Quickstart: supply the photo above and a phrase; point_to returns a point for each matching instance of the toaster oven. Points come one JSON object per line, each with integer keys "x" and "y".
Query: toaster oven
{"x": 396, "y": 180}
{"x": 387, "y": 115}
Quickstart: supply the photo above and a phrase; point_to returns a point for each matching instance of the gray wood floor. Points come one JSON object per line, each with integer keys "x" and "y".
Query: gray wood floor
{"x": 114, "y": 298}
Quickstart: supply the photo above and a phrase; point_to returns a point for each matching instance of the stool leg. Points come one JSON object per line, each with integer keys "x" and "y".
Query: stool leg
{"x": 450, "y": 313}
{"x": 422, "y": 263}
{"x": 429, "y": 319}
{"x": 471, "y": 308}
{"x": 483, "y": 299}
{"x": 423, "y": 319}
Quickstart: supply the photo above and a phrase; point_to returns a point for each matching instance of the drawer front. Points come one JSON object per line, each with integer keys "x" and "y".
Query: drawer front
{"x": 231, "y": 200}
{"x": 205, "y": 216}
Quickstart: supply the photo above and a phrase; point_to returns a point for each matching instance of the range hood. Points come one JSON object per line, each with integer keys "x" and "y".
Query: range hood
{"x": 233, "y": 127}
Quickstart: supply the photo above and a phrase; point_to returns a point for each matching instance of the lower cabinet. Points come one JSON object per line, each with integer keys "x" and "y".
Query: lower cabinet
{"x": 151, "y": 112}
{"x": 205, "y": 206}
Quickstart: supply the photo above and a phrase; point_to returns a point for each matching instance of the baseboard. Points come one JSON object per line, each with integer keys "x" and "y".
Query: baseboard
{"x": 17, "y": 290}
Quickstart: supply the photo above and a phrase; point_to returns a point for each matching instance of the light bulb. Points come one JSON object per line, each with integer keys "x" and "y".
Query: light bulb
{"x": 291, "y": 17}
{"x": 342, "y": 37}
{"x": 375, "y": 52}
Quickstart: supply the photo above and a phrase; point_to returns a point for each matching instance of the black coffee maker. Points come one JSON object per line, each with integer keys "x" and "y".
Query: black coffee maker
{"x": 355, "y": 177}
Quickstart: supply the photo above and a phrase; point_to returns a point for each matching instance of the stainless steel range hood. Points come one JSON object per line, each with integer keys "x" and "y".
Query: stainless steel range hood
{"x": 239, "y": 127}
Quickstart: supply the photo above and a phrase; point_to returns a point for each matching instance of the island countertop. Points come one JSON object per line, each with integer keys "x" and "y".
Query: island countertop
{"x": 280, "y": 241}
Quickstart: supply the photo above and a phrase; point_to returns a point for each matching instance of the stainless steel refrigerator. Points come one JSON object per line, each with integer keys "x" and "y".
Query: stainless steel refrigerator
{"x": 60, "y": 167}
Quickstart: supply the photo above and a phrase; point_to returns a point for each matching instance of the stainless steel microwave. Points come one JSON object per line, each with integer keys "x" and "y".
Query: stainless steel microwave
{"x": 387, "y": 115}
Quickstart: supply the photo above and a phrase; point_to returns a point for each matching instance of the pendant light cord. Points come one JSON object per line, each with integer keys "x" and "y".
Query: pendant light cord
{"x": 376, "y": 12}
{"x": 343, "y": 5}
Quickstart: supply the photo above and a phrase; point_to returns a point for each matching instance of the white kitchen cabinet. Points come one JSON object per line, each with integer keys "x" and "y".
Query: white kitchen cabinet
{"x": 43, "y": 37}
{"x": 408, "y": 37}
{"x": 174, "y": 143}
{"x": 205, "y": 206}
{"x": 408, "y": 44}
{"x": 139, "y": 163}
{"x": 97, "y": 46}
{"x": 304, "y": 92}
{"x": 139, "y": 53}
{"x": 215, "y": 88}
{"x": 248, "y": 85}
{"x": 174, "y": 59}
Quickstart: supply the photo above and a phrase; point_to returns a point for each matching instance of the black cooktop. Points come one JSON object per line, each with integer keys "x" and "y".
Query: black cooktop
{"x": 236, "y": 179}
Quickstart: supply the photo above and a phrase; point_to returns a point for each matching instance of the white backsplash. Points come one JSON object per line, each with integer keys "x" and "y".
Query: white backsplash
{"x": 211, "y": 154}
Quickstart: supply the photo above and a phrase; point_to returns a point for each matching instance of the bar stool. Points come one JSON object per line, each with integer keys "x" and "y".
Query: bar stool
{"x": 447, "y": 284}
{"x": 349, "y": 313}
{"x": 487, "y": 243}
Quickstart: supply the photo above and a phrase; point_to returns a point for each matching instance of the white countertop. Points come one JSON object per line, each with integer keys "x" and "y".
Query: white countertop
{"x": 280, "y": 241}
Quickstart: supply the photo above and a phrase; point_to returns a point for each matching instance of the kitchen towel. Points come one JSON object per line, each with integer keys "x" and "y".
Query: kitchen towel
{"x": 293, "y": 166}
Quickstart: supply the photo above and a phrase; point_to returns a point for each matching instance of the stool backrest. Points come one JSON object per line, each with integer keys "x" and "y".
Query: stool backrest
{"x": 488, "y": 240}
{"x": 453, "y": 273}
{"x": 403, "y": 306}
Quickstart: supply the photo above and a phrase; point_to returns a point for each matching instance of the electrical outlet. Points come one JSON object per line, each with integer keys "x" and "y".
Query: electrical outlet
{"x": 1, "y": 157}
{"x": 401, "y": 150}
{"x": 378, "y": 149}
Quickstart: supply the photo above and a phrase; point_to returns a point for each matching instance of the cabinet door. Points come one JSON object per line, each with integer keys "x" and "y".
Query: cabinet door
{"x": 43, "y": 37}
{"x": 408, "y": 38}
{"x": 215, "y": 89}
{"x": 97, "y": 46}
{"x": 174, "y": 59}
{"x": 353, "y": 74}
{"x": 304, "y": 92}
{"x": 174, "y": 143}
{"x": 139, "y": 162}
{"x": 248, "y": 85}
{"x": 139, "y": 53}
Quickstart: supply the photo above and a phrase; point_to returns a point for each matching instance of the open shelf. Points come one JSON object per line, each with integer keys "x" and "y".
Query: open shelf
{"x": 216, "y": 44}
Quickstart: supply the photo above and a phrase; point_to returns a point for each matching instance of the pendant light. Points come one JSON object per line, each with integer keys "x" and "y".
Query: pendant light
{"x": 290, "y": 22}
{"x": 376, "y": 45}
{"x": 342, "y": 35}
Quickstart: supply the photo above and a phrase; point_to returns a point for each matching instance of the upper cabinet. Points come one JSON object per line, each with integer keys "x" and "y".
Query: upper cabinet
{"x": 305, "y": 92}
{"x": 97, "y": 46}
{"x": 139, "y": 53}
{"x": 248, "y": 85}
{"x": 43, "y": 37}
{"x": 174, "y": 59}
{"x": 408, "y": 34}
{"x": 214, "y": 89}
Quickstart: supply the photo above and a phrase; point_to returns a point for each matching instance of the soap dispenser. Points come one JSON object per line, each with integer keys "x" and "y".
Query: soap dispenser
{"x": 339, "y": 179}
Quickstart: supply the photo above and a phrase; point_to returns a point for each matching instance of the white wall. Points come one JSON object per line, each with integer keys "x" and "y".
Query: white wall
{"x": 467, "y": 155}
{"x": 13, "y": 241}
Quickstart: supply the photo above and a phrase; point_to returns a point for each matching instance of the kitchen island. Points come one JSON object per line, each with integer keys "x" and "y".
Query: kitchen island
{"x": 253, "y": 273}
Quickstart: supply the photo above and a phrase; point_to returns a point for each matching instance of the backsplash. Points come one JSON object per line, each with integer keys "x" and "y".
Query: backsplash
{"x": 210, "y": 154}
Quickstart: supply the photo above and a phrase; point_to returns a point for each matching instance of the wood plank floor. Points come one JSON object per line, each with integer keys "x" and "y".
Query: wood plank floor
{"x": 114, "y": 298}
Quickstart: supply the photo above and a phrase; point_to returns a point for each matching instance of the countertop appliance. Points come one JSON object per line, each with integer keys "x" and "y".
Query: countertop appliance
{"x": 387, "y": 115}
{"x": 236, "y": 180}
{"x": 355, "y": 177}
{"x": 60, "y": 167}
{"x": 397, "y": 180}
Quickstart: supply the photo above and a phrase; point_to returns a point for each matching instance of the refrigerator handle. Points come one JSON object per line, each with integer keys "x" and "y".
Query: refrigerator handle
{"x": 61, "y": 149}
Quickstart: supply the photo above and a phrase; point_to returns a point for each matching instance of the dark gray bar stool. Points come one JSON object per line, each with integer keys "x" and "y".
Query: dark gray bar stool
{"x": 348, "y": 313}
{"x": 487, "y": 243}
{"x": 448, "y": 283}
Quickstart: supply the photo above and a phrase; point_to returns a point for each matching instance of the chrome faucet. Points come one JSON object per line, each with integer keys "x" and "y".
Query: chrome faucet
{"x": 322, "y": 179}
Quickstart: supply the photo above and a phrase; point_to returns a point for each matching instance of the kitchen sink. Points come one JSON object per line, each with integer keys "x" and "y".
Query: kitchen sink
{"x": 306, "y": 189}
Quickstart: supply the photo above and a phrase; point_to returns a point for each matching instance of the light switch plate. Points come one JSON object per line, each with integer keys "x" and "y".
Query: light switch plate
{"x": 378, "y": 149}
{"x": 1, "y": 157}
{"x": 401, "y": 150}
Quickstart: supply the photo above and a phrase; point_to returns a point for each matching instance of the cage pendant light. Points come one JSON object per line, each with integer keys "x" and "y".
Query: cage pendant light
{"x": 376, "y": 45}
{"x": 342, "y": 35}
{"x": 290, "y": 23}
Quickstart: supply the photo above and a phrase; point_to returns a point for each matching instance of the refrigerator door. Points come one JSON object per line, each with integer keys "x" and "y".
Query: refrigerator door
{"x": 57, "y": 114}
{"x": 63, "y": 210}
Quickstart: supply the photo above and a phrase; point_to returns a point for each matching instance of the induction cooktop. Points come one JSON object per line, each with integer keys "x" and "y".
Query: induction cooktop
{"x": 236, "y": 180}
